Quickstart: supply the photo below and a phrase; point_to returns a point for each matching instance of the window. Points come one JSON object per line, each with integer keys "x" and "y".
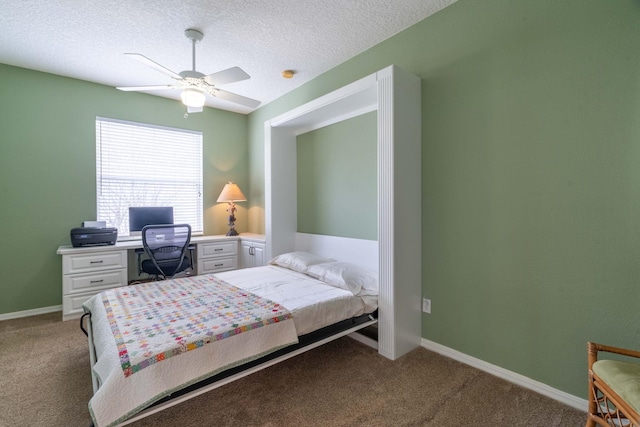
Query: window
{"x": 139, "y": 164}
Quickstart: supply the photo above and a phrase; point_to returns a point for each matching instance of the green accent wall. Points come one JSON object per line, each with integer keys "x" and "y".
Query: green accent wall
{"x": 530, "y": 176}
{"x": 47, "y": 170}
{"x": 337, "y": 179}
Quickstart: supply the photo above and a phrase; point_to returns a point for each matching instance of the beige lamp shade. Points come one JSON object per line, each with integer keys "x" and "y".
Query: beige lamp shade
{"x": 231, "y": 193}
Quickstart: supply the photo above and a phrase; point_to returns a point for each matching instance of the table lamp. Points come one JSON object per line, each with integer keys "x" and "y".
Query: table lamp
{"x": 231, "y": 193}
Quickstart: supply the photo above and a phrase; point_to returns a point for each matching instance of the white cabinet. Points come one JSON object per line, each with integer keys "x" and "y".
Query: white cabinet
{"x": 89, "y": 270}
{"x": 252, "y": 253}
{"x": 86, "y": 274}
{"x": 215, "y": 257}
{"x": 396, "y": 95}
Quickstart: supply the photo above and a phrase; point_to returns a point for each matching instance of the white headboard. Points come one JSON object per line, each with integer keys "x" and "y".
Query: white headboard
{"x": 357, "y": 251}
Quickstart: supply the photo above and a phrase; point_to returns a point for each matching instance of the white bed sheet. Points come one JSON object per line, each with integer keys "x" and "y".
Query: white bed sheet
{"x": 313, "y": 303}
{"x": 120, "y": 396}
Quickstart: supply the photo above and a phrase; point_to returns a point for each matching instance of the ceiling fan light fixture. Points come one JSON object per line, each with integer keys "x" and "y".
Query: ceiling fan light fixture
{"x": 192, "y": 97}
{"x": 194, "y": 85}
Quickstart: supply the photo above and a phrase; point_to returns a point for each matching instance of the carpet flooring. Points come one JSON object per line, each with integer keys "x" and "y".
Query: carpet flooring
{"x": 45, "y": 381}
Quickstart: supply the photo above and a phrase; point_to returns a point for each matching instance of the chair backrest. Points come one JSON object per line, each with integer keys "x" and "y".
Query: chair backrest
{"x": 166, "y": 243}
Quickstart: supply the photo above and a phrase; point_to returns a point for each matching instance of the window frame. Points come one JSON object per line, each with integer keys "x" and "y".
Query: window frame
{"x": 129, "y": 153}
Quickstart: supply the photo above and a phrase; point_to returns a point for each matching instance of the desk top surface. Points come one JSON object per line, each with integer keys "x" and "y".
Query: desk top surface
{"x": 137, "y": 243}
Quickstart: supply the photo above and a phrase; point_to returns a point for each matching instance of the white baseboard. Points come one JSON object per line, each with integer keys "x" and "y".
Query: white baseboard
{"x": 521, "y": 380}
{"x": 33, "y": 312}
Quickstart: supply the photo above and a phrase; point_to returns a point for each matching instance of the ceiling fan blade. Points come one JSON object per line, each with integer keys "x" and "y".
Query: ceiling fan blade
{"x": 238, "y": 99}
{"x": 143, "y": 88}
{"x": 146, "y": 61}
{"x": 231, "y": 75}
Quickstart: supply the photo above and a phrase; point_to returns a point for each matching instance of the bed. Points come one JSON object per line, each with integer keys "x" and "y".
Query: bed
{"x": 156, "y": 344}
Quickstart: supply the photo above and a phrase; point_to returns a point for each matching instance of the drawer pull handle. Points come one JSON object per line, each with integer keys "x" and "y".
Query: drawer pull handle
{"x": 219, "y": 265}
{"x": 218, "y": 249}
{"x": 97, "y": 281}
{"x": 97, "y": 262}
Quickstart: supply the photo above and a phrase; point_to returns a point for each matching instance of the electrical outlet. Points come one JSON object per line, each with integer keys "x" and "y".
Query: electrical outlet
{"x": 426, "y": 305}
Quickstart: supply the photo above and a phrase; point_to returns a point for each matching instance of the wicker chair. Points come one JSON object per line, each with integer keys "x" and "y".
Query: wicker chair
{"x": 614, "y": 388}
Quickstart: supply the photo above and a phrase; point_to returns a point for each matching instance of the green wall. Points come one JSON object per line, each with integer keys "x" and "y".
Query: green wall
{"x": 47, "y": 170}
{"x": 531, "y": 184}
{"x": 530, "y": 176}
{"x": 337, "y": 184}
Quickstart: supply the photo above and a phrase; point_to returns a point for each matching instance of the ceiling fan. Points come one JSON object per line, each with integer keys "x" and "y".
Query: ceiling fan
{"x": 195, "y": 85}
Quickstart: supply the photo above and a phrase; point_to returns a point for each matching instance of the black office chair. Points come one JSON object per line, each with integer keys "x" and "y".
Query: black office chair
{"x": 166, "y": 245}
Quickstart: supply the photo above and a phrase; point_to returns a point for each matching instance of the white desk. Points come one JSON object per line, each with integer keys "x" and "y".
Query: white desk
{"x": 89, "y": 270}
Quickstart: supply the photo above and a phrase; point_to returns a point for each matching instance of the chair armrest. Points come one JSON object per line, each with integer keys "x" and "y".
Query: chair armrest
{"x": 594, "y": 348}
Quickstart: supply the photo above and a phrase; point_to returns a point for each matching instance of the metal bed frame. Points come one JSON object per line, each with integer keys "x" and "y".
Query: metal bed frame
{"x": 305, "y": 343}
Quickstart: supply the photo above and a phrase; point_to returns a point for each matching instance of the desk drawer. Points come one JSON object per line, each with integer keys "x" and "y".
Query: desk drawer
{"x": 216, "y": 265}
{"x": 72, "y": 305}
{"x": 96, "y": 261}
{"x": 208, "y": 250}
{"x": 93, "y": 281}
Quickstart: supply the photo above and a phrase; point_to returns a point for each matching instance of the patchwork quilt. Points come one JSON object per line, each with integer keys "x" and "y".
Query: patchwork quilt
{"x": 154, "y": 338}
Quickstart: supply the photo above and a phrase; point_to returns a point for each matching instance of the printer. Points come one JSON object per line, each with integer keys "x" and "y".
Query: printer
{"x": 90, "y": 236}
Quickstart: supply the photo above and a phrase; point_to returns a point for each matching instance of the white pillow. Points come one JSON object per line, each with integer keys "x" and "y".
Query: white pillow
{"x": 357, "y": 280}
{"x": 298, "y": 261}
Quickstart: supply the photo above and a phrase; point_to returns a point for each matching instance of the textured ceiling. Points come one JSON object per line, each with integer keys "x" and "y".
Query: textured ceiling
{"x": 87, "y": 39}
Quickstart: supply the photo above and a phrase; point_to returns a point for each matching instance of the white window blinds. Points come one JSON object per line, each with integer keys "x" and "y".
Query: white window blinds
{"x": 145, "y": 165}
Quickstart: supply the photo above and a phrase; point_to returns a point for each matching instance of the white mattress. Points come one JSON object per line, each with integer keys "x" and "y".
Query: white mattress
{"x": 313, "y": 303}
{"x": 157, "y": 371}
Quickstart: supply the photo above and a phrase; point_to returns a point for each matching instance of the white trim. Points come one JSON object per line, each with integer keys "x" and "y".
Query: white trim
{"x": 336, "y": 119}
{"x": 354, "y": 96}
{"x": 396, "y": 95}
{"x": 149, "y": 125}
{"x": 513, "y": 377}
{"x": 32, "y": 312}
{"x": 280, "y": 190}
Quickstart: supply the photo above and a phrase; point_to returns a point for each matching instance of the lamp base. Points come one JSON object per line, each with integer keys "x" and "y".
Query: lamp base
{"x": 232, "y": 232}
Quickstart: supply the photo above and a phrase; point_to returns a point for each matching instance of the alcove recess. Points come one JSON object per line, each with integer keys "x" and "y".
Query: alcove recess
{"x": 395, "y": 95}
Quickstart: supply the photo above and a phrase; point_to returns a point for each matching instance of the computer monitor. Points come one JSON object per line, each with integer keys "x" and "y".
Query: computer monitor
{"x": 147, "y": 215}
